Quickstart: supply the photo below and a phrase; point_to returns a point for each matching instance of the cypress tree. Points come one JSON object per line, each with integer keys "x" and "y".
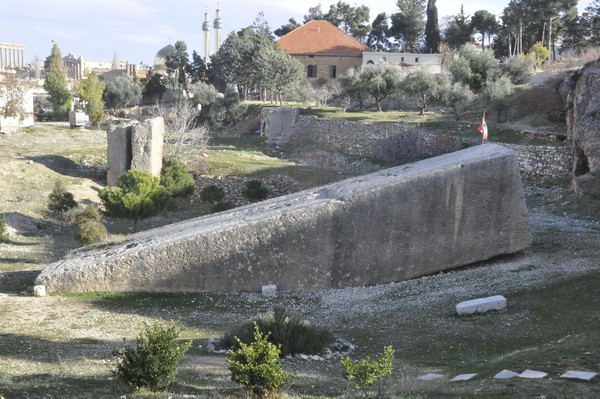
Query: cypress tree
{"x": 432, "y": 29}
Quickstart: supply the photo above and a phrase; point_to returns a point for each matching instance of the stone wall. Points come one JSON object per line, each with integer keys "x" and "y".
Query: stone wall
{"x": 309, "y": 136}
{"x": 395, "y": 224}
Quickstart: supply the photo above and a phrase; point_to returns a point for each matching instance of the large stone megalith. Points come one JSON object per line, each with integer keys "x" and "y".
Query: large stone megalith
{"x": 395, "y": 224}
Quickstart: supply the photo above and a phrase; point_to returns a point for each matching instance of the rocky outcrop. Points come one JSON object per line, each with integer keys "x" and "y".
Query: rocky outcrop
{"x": 395, "y": 224}
{"x": 583, "y": 123}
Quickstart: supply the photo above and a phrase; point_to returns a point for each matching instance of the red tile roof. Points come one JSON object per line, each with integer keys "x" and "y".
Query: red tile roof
{"x": 320, "y": 37}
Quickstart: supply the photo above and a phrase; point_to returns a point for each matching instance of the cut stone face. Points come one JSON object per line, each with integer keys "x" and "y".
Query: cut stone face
{"x": 579, "y": 375}
{"x": 482, "y": 305}
{"x": 463, "y": 377}
{"x": 506, "y": 374}
{"x": 429, "y": 377}
{"x": 531, "y": 374}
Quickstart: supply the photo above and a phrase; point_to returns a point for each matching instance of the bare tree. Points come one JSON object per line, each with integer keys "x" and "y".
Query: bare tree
{"x": 12, "y": 97}
{"x": 184, "y": 136}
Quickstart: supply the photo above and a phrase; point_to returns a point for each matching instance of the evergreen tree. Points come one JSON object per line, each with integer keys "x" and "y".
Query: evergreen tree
{"x": 485, "y": 23}
{"x": 90, "y": 90}
{"x": 287, "y": 28}
{"x": 352, "y": 20}
{"x": 122, "y": 92}
{"x": 378, "y": 38}
{"x": 177, "y": 64}
{"x": 408, "y": 23}
{"x": 459, "y": 30}
{"x": 432, "y": 29}
{"x": 197, "y": 70}
{"x": 55, "y": 84}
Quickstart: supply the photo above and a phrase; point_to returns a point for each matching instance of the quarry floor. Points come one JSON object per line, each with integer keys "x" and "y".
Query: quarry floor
{"x": 59, "y": 346}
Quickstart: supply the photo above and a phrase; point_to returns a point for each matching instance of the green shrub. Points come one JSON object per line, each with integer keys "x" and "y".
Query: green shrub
{"x": 292, "y": 334}
{"x": 88, "y": 226}
{"x": 138, "y": 195}
{"x": 256, "y": 190}
{"x": 256, "y": 366}
{"x": 222, "y": 206}
{"x": 212, "y": 193}
{"x": 60, "y": 200}
{"x": 176, "y": 178}
{"x": 367, "y": 372}
{"x": 153, "y": 362}
{"x": 4, "y": 236}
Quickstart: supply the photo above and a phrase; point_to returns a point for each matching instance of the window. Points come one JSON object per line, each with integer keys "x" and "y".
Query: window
{"x": 416, "y": 59}
{"x": 333, "y": 71}
{"x": 311, "y": 71}
{"x": 401, "y": 59}
{"x": 370, "y": 62}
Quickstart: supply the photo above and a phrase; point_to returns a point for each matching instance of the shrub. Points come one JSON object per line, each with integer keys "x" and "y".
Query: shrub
{"x": 176, "y": 178}
{"x": 212, "y": 193}
{"x": 256, "y": 191}
{"x": 367, "y": 372}
{"x": 138, "y": 195}
{"x": 519, "y": 68}
{"x": 222, "y": 206}
{"x": 153, "y": 362}
{"x": 292, "y": 334}
{"x": 60, "y": 200}
{"x": 256, "y": 366}
{"x": 4, "y": 236}
{"x": 88, "y": 226}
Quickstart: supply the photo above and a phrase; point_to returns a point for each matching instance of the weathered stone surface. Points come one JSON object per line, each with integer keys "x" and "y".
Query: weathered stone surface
{"x": 146, "y": 145}
{"x": 583, "y": 123}
{"x": 39, "y": 291}
{"x": 506, "y": 374}
{"x": 277, "y": 124}
{"x": 463, "y": 377}
{"x": 269, "y": 290}
{"x": 580, "y": 375}
{"x": 482, "y": 305}
{"x": 532, "y": 374}
{"x": 118, "y": 153}
{"x": 430, "y": 377}
{"x": 391, "y": 225}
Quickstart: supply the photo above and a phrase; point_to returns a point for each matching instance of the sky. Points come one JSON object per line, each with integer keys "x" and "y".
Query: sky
{"x": 135, "y": 30}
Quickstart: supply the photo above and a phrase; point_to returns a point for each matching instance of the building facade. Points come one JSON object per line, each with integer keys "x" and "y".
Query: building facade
{"x": 12, "y": 56}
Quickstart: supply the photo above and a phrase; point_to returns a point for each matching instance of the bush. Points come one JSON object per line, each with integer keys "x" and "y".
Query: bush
{"x": 4, "y": 236}
{"x": 256, "y": 191}
{"x": 212, "y": 193}
{"x": 222, "y": 206}
{"x": 88, "y": 226}
{"x": 256, "y": 366}
{"x": 519, "y": 68}
{"x": 60, "y": 200}
{"x": 367, "y": 372}
{"x": 153, "y": 362}
{"x": 292, "y": 334}
{"x": 176, "y": 178}
{"x": 138, "y": 195}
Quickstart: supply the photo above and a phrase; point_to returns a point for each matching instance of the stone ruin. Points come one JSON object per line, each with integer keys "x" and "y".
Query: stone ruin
{"x": 583, "y": 126}
{"x": 136, "y": 147}
{"x": 400, "y": 223}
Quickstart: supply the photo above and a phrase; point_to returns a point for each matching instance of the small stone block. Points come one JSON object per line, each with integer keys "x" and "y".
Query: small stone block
{"x": 579, "y": 375}
{"x": 532, "y": 374}
{"x": 269, "y": 290}
{"x": 39, "y": 290}
{"x": 463, "y": 377}
{"x": 481, "y": 305}
{"x": 506, "y": 374}
{"x": 429, "y": 377}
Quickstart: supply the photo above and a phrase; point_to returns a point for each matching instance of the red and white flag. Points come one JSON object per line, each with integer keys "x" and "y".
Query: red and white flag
{"x": 483, "y": 128}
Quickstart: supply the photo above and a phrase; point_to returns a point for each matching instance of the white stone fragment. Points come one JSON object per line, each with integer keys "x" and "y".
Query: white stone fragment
{"x": 429, "y": 377}
{"x": 463, "y": 377}
{"x": 481, "y": 305}
{"x": 579, "y": 375}
{"x": 39, "y": 290}
{"x": 531, "y": 374}
{"x": 506, "y": 374}
{"x": 269, "y": 290}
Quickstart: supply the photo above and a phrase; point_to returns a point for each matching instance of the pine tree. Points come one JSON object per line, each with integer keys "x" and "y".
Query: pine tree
{"x": 55, "y": 84}
{"x": 432, "y": 29}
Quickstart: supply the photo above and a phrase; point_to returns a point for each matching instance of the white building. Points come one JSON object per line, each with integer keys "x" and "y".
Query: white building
{"x": 432, "y": 62}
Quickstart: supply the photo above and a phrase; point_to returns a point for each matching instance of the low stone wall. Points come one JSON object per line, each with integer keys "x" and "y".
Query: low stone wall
{"x": 385, "y": 141}
{"x": 543, "y": 162}
{"x": 395, "y": 224}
